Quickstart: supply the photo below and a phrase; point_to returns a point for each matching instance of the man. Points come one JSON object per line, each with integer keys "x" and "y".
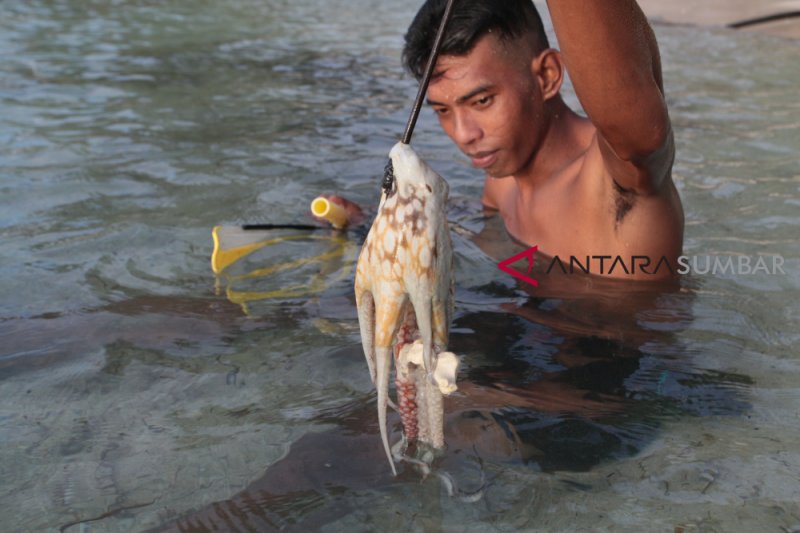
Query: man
{"x": 599, "y": 186}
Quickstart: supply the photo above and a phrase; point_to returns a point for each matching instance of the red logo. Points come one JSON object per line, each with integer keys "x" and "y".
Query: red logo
{"x": 505, "y": 265}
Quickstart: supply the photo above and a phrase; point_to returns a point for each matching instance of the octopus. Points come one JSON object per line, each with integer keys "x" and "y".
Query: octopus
{"x": 404, "y": 288}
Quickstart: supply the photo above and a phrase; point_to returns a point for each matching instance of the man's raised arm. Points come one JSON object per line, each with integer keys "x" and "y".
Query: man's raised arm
{"x": 612, "y": 57}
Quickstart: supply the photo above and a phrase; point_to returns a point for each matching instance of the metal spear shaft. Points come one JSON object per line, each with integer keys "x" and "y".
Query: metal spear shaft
{"x": 426, "y": 77}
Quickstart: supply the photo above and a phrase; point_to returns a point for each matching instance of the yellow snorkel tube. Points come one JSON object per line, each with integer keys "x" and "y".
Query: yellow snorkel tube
{"x": 334, "y": 213}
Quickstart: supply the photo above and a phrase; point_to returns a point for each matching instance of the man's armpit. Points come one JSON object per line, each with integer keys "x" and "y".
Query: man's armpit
{"x": 643, "y": 177}
{"x": 623, "y": 203}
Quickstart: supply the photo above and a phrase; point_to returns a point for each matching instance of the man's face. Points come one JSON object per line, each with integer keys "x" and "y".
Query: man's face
{"x": 490, "y": 104}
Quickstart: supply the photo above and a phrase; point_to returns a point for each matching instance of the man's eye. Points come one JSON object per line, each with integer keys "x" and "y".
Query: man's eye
{"x": 484, "y": 101}
{"x": 440, "y": 110}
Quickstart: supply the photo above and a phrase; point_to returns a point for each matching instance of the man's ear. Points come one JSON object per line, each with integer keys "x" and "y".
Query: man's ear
{"x": 548, "y": 68}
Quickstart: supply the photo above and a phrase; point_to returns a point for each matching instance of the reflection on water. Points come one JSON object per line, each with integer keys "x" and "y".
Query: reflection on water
{"x": 141, "y": 393}
{"x": 271, "y": 266}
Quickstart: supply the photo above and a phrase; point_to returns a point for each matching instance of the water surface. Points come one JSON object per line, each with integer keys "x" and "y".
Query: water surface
{"x": 137, "y": 391}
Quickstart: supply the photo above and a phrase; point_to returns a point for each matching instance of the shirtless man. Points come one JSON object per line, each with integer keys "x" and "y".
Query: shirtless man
{"x": 573, "y": 186}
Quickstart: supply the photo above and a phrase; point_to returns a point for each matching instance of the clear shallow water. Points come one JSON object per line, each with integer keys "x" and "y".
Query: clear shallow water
{"x": 136, "y": 393}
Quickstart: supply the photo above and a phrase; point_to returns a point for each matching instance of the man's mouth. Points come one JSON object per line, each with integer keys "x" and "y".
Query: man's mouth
{"x": 483, "y": 159}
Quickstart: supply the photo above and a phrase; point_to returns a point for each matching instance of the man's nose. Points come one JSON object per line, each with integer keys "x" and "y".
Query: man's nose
{"x": 467, "y": 130}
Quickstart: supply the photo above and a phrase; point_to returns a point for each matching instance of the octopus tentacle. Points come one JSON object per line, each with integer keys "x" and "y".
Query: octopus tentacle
{"x": 366, "y": 322}
{"x": 383, "y": 362}
{"x": 404, "y": 294}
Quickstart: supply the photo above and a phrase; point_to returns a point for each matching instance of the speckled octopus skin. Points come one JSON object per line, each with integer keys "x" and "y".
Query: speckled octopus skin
{"x": 404, "y": 287}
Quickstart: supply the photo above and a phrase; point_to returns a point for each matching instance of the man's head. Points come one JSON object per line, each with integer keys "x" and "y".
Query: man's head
{"x": 494, "y": 80}
{"x": 471, "y": 19}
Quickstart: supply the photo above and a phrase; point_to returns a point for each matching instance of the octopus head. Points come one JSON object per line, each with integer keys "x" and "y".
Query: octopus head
{"x": 414, "y": 178}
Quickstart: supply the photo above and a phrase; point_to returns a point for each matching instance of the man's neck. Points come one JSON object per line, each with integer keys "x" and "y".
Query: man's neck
{"x": 565, "y": 139}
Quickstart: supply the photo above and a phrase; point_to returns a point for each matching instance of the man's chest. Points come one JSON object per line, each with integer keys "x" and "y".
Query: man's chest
{"x": 562, "y": 218}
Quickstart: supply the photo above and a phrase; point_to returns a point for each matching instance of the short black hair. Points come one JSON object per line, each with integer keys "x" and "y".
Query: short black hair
{"x": 471, "y": 20}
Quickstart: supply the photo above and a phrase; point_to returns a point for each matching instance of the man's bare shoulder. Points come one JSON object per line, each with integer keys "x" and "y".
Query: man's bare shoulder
{"x": 632, "y": 222}
{"x": 582, "y": 210}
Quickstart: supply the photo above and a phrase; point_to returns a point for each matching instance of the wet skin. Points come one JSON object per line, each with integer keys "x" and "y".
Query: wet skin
{"x": 571, "y": 185}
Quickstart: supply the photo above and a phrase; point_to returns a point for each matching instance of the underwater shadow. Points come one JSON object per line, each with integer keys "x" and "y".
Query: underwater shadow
{"x": 561, "y": 378}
